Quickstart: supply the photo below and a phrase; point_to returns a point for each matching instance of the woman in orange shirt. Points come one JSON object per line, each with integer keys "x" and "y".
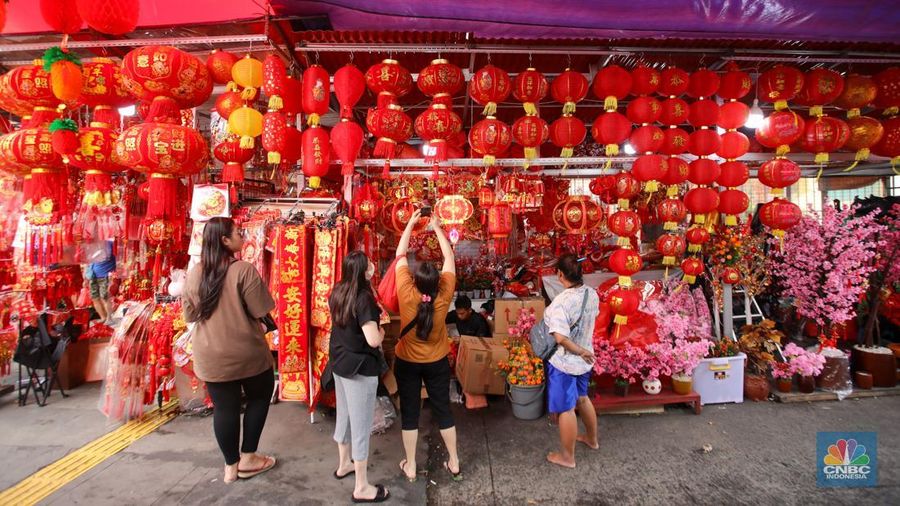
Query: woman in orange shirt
{"x": 422, "y": 353}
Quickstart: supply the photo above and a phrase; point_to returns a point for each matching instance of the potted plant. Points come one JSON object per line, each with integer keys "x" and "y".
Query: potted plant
{"x": 760, "y": 343}
{"x": 806, "y": 364}
{"x": 624, "y": 364}
{"x": 784, "y": 376}
{"x": 686, "y": 356}
{"x": 524, "y": 372}
{"x": 657, "y": 362}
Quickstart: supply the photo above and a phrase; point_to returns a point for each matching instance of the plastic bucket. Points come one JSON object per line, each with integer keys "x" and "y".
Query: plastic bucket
{"x": 527, "y": 402}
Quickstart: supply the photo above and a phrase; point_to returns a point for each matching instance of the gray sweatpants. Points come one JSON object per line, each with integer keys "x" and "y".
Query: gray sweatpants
{"x": 355, "y": 410}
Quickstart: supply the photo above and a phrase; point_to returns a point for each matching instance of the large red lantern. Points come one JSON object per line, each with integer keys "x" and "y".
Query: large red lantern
{"x": 673, "y": 82}
{"x": 490, "y": 137}
{"x": 316, "y": 155}
{"x": 780, "y": 84}
{"x": 676, "y": 174}
{"x": 733, "y": 174}
{"x": 703, "y": 171}
{"x": 700, "y": 202}
{"x": 671, "y": 247}
{"x": 489, "y": 86}
{"x": 780, "y": 130}
{"x": 733, "y": 115}
{"x": 675, "y": 141}
{"x": 672, "y": 212}
{"x": 859, "y": 92}
{"x": 823, "y": 135}
{"x": 112, "y": 17}
{"x": 349, "y": 86}
{"x": 889, "y": 145}
{"x": 644, "y": 80}
{"x": 625, "y": 224}
{"x": 625, "y": 187}
{"x": 316, "y": 93}
{"x": 611, "y": 84}
{"x": 692, "y": 267}
{"x": 821, "y": 86}
{"x": 453, "y": 210}
{"x": 675, "y": 111}
{"x": 566, "y": 133}
{"x": 26, "y": 87}
{"x": 293, "y": 98}
{"x": 611, "y": 129}
{"x": 647, "y": 139}
{"x": 29, "y": 151}
{"x": 865, "y": 132}
{"x": 696, "y": 237}
{"x": 164, "y": 71}
{"x": 389, "y": 81}
{"x": 623, "y": 302}
{"x": 61, "y": 15}
{"x": 568, "y": 89}
{"x": 390, "y": 126}
{"x": 703, "y": 113}
{"x": 347, "y": 140}
{"x": 650, "y": 169}
{"x": 530, "y": 87}
{"x": 530, "y": 132}
{"x": 780, "y": 215}
{"x": 274, "y": 77}
{"x": 888, "y": 97}
{"x": 103, "y": 84}
{"x": 703, "y": 83}
{"x": 578, "y": 214}
{"x": 234, "y": 157}
{"x": 731, "y": 203}
{"x": 734, "y": 145}
{"x": 625, "y": 262}
{"x": 704, "y": 142}
{"x": 735, "y": 83}
{"x": 219, "y": 64}
{"x": 499, "y": 225}
{"x": 437, "y": 125}
{"x": 778, "y": 174}
{"x": 643, "y": 110}
{"x": 440, "y": 80}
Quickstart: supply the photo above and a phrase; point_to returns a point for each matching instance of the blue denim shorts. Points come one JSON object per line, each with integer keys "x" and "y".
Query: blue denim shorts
{"x": 563, "y": 390}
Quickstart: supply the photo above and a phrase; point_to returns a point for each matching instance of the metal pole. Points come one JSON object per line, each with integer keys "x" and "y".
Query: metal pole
{"x": 728, "y": 310}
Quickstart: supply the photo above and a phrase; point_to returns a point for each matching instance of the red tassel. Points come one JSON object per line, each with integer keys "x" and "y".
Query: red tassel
{"x": 232, "y": 173}
{"x": 163, "y": 202}
{"x": 164, "y": 110}
{"x": 97, "y": 181}
{"x": 107, "y": 115}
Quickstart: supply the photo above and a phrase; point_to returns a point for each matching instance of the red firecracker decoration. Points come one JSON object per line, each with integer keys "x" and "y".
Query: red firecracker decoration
{"x": 568, "y": 89}
{"x": 389, "y": 81}
{"x": 316, "y": 92}
{"x": 692, "y": 267}
{"x": 112, "y": 17}
{"x": 671, "y": 246}
{"x": 349, "y": 86}
{"x": 316, "y": 155}
{"x": 489, "y": 86}
{"x": 530, "y": 132}
{"x": 440, "y": 80}
{"x": 700, "y": 202}
{"x": 780, "y": 84}
{"x": 625, "y": 262}
{"x": 347, "y": 140}
{"x": 530, "y": 87}
{"x": 611, "y": 84}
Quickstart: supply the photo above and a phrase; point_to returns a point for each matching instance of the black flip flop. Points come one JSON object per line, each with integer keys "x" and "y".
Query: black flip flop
{"x": 457, "y": 476}
{"x": 344, "y": 476}
{"x": 380, "y": 496}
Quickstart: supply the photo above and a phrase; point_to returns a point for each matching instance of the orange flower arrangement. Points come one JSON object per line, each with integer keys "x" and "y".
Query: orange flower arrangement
{"x": 521, "y": 367}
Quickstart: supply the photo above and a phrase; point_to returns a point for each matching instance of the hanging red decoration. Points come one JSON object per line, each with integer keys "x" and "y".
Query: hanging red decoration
{"x": 859, "y": 92}
{"x": 676, "y": 174}
{"x": 703, "y": 171}
{"x": 234, "y": 157}
{"x": 780, "y": 84}
{"x": 609, "y": 130}
{"x": 395, "y": 215}
{"x": 732, "y": 203}
{"x": 164, "y": 71}
{"x": 704, "y": 142}
{"x": 703, "y": 83}
{"x": 390, "y": 126}
{"x": 228, "y": 102}
{"x": 367, "y": 203}
{"x": 566, "y": 133}
{"x": 647, "y": 139}
{"x": 675, "y": 141}
{"x": 347, "y": 140}
{"x": 733, "y": 115}
{"x": 489, "y": 86}
{"x": 735, "y": 83}
{"x": 865, "y": 132}
{"x": 733, "y": 174}
{"x": 293, "y": 98}
{"x": 734, "y": 145}
{"x": 530, "y": 132}
{"x": 568, "y": 89}
{"x": 499, "y": 225}
{"x": 26, "y": 87}
{"x": 611, "y": 84}
{"x": 649, "y": 169}
{"x": 219, "y": 64}
{"x": 673, "y": 82}
{"x": 578, "y": 214}
{"x": 730, "y": 276}
{"x": 888, "y": 97}
{"x": 62, "y": 16}
{"x": 530, "y": 87}
{"x": 696, "y": 237}
{"x": 703, "y": 113}
{"x": 625, "y": 262}
{"x": 700, "y": 202}
{"x": 103, "y": 84}
{"x": 643, "y": 110}
{"x": 692, "y": 267}
{"x": 780, "y": 215}
{"x": 889, "y": 144}
{"x": 490, "y": 137}
{"x": 672, "y": 212}
{"x": 112, "y": 17}
{"x": 453, "y": 210}
{"x": 625, "y": 187}
{"x": 823, "y": 135}
{"x": 440, "y": 80}
{"x": 780, "y": 130}
{"x": 625, "y": 224}
{"x": 349, "y": 86}
{"x": 316, "y": 155}
{"x": 66, "y": 78}
{"x": 671, "y": 246}
{"x": 821, "y": 86}
{"x": 274, "y": 76}
{"x": 389, "y": 81}
{"x": 437, "y": 125}
{"x": 624, "y": 302}
{"x": 605, "y": 187}
{"x": 778, "y": 174}
{"x": 644, "y": 80}
{"x": 274, "y": 136}
{"x": 675, "y": 111}
{"x": 316, "y": 93}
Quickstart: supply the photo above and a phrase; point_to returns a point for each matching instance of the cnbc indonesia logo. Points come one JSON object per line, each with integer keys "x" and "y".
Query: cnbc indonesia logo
{"x": 847, "y": 460}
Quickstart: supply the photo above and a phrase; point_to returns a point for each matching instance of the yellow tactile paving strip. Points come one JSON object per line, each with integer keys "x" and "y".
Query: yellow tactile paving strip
{"x": 41, "y": 484}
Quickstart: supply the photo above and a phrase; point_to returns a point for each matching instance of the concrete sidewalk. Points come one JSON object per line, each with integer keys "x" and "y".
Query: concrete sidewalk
{"x": 762, "y": 453}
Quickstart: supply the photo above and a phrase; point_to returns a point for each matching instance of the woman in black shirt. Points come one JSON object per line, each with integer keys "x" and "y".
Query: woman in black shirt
{"x": 356, "y": 363}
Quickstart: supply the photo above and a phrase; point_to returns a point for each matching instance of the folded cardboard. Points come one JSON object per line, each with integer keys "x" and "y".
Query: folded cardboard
{"x": 476, "y": 365}
{"x": 506, "y": 312}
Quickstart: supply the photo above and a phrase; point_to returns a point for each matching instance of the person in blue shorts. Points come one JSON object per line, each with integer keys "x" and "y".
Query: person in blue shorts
{"x": 98, "y": 274}
{"x": 570, "y": 319}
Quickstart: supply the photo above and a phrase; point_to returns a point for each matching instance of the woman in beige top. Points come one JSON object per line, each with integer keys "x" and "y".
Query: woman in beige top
{"x": 226, "y": 298}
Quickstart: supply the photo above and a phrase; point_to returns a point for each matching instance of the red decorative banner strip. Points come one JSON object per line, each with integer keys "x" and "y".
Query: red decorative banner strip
{"x": 292, "y": 302}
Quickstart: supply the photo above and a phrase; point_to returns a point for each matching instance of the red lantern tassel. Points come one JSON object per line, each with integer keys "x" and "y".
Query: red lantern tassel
{"x": 163, "y": 200}
{"x": 233, "y": 173}
{"x": 107, "y": 115}
{"x": 46, "y": 186}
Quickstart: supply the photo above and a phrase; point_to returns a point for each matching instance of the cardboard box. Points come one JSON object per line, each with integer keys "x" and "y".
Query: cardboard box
{"x": 476, "y": 365}
{"x": 506, "y": 312}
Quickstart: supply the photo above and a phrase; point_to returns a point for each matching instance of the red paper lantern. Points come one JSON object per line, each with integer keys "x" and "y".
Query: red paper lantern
{"x": 703, "y": 113}
{"x": 577, "y": 215}
{"x": 731, "y": 276}
{"x": 568, "y": 89}
{"x": 647, "y": 139}
{"x": 611, "y": 84}
{"x": 780, "y": 130}
{"x": 625, "y": 187}
{"x": 219, "y": 64}
{"x": 228, "y": 102}
{"x": 440, "y": 80}
{"x": 692, "y": 267}
{"x": 489, "y": 86}
{"x": 650, "y": 169}
{"x": 164, "y": 71}
{"x": 625, "y": 224}
{"x": 888, "y": 97}
{"x": 675, "y": 111}
{"x": 673, "y": 82}
{"x": 61, "y": 15}
{"x": 349, "y": 86}
{"x": 389, "y": 81}
{"x": 453, "y": 210}
{"x": 566, "y": 133}
{"x": 704, "y": 142}
{"x": 112, "y": 17}
{"x": 437, "y": 125}
{"x": 316, "y": 155}
{"x": 865, "y": 132}
{"x": 26, "y": 87}
{"x": 780, "y": 215}
{"x": 347, "y": 140}
{"x": 703, "y": 83}
{"x": 780, "y": 84}
{"x": 675, "y": 141}
{"x": 611, "y": 129}
{"x": 625, "y": 262}
{"x": 703, "y": 171}
{"x": 823, "y": 135}
{"x": 889, "y": 144}
{"x": 643, "y": 110}
{"x": 734, "y": 145}
{"x": 733, "y": 115}
{"x": 103, "y": 84}
{"x": 671, "y": 246}
{"x": 733, "y": 174}
{"x": 700, "y": 202}
{"x": 274, "y": 76}
{"x": 778, "y": 174}
{"x": 676, "y": 174}
{"x": 274, "y": 137}
{"x": 605, "y": 187}
{"x": 293, "y": 98}
{"x": 821, "y": 86}
{"x": 316, "y": 93}
{"x": 859, "y": 92}
{"x": 390, "y": 126}
{"x": 490, "y": 137}
{"x": 644, "y": 80}
{"x": 234, "y": 157}
{"x": 530, "y": 132}
{"x": 672, "y": 212}
{"x": 397, "y": 214}
{"x": 499, "y": 225}
{"x": 530, "y": 87}
{"x": 623, "y": 302}
{"x": 731, "y": 203}
{"x": 696, "y": 237}
{"x": 735, "y": 83}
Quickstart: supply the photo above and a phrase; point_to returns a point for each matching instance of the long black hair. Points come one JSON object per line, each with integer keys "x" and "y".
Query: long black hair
{"x": 215, "y": 259}
{"x": 427, "y": 279}
{"x": 342, "y": 302}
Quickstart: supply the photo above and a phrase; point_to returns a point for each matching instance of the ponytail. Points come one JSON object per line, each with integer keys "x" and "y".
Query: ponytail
{"x": 427, "y": 279}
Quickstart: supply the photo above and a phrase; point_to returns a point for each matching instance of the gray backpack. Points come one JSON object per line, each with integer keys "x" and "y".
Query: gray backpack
{"x": 542, "y": 341}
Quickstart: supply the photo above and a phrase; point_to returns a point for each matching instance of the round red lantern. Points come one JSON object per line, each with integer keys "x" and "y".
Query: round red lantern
{"x": 703, "y": 171}
{"x": 228, "y": 102}
{"x": 703, "y": 113}
{"x": 234, "y": 157}
{"x": 703, "y": 83}
{"x": 696, "y": 237}
{"x": 219, "y": 64}
{"x": 530, "y": 87}
{"x": 349, "y": 86}
{"x": 733, "y": 174}
{"x": 823, "y": 135}
{"x": 704, "y": 142}
{"x": 780, "y": 130}
{"x": 61, "y": 15}
{"x": 26, "y": 87}
{"x": 568, "y": 89}
{"x": 347, "y": 140}
{"x": 671, "y": 246}
{"x": 293, "y": 98}
{"x": 605, "y": 187}
{"x": 440, "y": 80}
{"x": 578, "y": 214}
{"x": 489, "y": 86}
{"x": 859, "y": 92}
{"x": 530, "y": 132}
{"x": 316, "y": 93}
{"x": 733, "y": 115}
{"x": 731, "y": 276}
{"x": 611, "y": 129}
{"x": 625, "y": 224}
{"x": 673, "y": 82}
{"x": 112, "y": 17}
{"x": 865, "y": 132}
{"x": 700, "y": 202}
{"x": 499, "y": 225}
{"x": 778, "y": 174}
{"x": 643, "y": 110}
{"x": 164, "y": 71}
{"x": 625, "y": 262}
{"x": 675, "y": 111}
{"x": 390, "y": 125}
{"x": 780, "y": 215}
{"x": 367, "y": 203}
{"x": 672, "y": 212}
{"x": 437, "y": 125}
{"x": 396, "y": 215}
{"x": 731, "y": 203}
{"x": 675, "y": 141}
{"x": 735, "y": 83}
{"x": 889, "y": 144}
{"x": 780, "y": 84}
{"x": 623, "y": 302}
{"x": 316, "y": 155}
{"x": 611, "y": 84}
{"x": 490, "y": 137}
{"x": 389, "y": 81}
{"x": 676, "y": 174}
{"x": 692, "y": 267}
{"x": 625, "y": 187}
{"x": 103, "y": 84}
{"x": 821, "y": 86}
{"x": 644, "y": 80}
{"x": 888, "y": 97}
{"x": 453, "y": 210}
{"x": 650, "y": 169}
{"x": 566, "y": 133}
{"x": 647, "y": 139}
{"x": 734, "y": 145}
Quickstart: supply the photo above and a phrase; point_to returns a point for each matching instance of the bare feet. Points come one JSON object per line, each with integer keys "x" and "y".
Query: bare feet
{"x": 558, "y": 459}
{"x": 594, "y": 445}
{"x": 231, "y": 474}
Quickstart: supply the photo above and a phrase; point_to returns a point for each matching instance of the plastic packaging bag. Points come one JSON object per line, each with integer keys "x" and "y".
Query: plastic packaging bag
{"x": 385, "y": 414}
{"x": 387, "y": 288}
{"x": 835, "y": 377}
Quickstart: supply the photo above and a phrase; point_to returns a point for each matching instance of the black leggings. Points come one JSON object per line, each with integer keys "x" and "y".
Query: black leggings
{"x": 226, "y": 397}
{"x": 436, "y": 376}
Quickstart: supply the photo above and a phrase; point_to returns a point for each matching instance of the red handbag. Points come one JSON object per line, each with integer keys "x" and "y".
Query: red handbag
{"x": 387, "y": 288}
